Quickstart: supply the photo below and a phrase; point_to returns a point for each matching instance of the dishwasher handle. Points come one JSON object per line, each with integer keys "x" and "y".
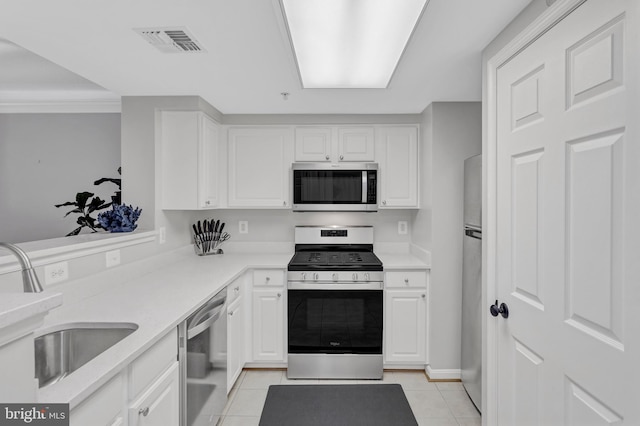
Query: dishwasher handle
{"x": 205, "y": 321}
{"x": 206, "y": 316}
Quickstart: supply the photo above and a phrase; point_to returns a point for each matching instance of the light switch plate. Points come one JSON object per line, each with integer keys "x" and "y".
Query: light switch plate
{"x": 402, "y": 227}
{"x": 243, "y": 227}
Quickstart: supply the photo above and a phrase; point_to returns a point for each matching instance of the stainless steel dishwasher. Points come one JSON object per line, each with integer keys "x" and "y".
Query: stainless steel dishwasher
{"x": 203, "y": 362}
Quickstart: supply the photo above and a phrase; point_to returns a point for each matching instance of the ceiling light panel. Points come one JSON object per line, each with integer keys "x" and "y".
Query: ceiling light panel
{"x": 350, "y": 43}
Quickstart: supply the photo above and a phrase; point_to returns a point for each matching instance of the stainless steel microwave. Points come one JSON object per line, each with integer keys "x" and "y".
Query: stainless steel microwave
{"x": 335, "y": 187}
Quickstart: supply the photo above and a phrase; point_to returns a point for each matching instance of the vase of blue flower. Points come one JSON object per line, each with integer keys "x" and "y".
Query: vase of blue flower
{"x": 121, "y": 218}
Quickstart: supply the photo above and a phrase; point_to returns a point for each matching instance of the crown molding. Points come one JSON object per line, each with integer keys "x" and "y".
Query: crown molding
{"x": 33, "y": 102}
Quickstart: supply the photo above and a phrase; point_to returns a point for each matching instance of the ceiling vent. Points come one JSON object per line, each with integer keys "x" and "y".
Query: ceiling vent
{"x": 171, "y": 40}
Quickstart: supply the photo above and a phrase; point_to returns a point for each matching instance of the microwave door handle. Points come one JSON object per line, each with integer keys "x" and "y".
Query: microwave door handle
{"x": 364, "y": 187}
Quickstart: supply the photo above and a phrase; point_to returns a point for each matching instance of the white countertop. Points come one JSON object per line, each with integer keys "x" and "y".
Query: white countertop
{"x": 391, "y": 261}
{"x": 17, "y": 307}
{"x": 157, "y": 301}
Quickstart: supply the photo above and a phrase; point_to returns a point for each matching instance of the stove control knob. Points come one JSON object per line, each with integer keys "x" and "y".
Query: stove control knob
{"x": 366, "y": 276}
{"x": 315, "y": 276}
{"x": 334, "y": 277}
{"x": 304, "y": 276}
{"x": 355, "y": 276}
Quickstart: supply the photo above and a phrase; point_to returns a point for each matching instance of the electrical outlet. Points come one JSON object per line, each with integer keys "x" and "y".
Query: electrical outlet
{"x": 243, "y": 227}
{"x": 162, "y": 235}
{"x": 402, "y": 227}
{"x": 113, "y": 258}
{"x": 56, "y": 272}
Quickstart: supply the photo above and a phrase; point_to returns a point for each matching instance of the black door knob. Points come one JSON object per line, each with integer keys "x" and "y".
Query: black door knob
{"x": 503, "y": 310}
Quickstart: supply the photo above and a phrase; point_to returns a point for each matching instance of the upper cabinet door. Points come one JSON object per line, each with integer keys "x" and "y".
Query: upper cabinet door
{"x": 189, "y": 141}
{"x": 313, "y": 144}
{"x": 356, "y": 144}
{"x": 207, "y": 162}
{"x": 259, "y": 166}
{"x": 397, "y": 156}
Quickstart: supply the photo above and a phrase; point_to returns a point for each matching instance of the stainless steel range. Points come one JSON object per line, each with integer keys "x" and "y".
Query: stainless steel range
{"x": 335, "y": 305}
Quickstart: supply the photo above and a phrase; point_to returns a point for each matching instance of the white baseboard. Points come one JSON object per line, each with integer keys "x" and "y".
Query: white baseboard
{"x": 443, "y": 373}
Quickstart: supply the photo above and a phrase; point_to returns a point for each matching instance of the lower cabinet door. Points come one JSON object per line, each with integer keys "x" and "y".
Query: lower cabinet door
{"x": 159, "y": 405}
{"x": 405, "y": 326}
{"x": 235, "y": 342}
{"x": 103, "y": 408}
{"x": 268, "y": 325}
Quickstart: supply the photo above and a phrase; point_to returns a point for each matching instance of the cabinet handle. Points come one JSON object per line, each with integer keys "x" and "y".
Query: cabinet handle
{"x": 384, "y": 202}
{"x": 230, "y": 313}
{"x": 326, "y": 157}
{"x": 207, "y": 202}
{"x": 144, "y": 411}
{"x": 237, "y": 289}
{"x": 268, "y": 278}
{"x": 424, "y": 296}
{"x": 284, "y": 203}
{"x": 342, "y": 157}
{"x": 279, "y": 294}
{"x": 406, "y": 280}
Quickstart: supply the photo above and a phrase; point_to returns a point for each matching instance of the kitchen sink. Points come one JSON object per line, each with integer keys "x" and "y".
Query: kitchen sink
{"x": 67, "y": 347}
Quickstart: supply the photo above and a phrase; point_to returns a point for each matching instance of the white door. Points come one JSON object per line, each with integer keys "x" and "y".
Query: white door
{"x": 268, "y": 324}
{"x": 160, "y": 403}
{"x": 567, "y": 189}
{"x": 356, "y": 144}
{"x": 313, "y": 144}
{"x": 397, "y": 155}
{"x": 259, "y": 166}
{"x": 405, "y": 326}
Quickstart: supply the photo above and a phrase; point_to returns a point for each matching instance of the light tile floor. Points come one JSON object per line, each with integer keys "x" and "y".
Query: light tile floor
{"x": 433, "y": 404}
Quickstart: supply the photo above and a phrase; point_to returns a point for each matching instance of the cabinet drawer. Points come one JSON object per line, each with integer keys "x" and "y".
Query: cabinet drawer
{"x": 154, "y": 361}
{"x": 406, "y": 279}
{"x": 102, "y": 407}
{"x": 268, "y": 277}
{"x": 235, "y": 289}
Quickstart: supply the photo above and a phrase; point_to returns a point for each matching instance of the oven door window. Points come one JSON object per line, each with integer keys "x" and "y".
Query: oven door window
{"x": 327, "y": 187}
{"x": 335, "y": 321}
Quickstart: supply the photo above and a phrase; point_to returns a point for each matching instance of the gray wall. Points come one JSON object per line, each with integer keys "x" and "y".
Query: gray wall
{"x": 451, "y": 133}
{"x": 45, "y": 159}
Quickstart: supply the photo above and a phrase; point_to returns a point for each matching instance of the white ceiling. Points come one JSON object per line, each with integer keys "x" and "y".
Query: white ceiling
{"x": 248, "y": 61}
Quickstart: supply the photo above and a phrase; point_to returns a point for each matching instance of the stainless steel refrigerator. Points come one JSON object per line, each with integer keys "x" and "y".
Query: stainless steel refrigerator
{"x": 471, "y": 362}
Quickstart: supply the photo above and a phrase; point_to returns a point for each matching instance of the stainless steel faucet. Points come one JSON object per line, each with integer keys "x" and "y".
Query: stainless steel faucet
{"x": 30, "y": 281}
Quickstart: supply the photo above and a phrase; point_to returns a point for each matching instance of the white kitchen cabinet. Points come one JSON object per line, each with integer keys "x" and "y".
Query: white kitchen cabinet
{"x": 397, "y": 157}
{"x": 268, "y": 324}
{"x": 150, "y": 384}
{"x": 103, "y": 407}
{"x": 259, "y": 167}
{"x": 146, "y": 369}
{"x": 356, "y": 143}
{"x": 334, "y": 144}
{"x": 160, "y": 403}
{"x": 190, "y": 142}
{"x": 313, "y": 144}
{"x": 405, "y": 327}
{"x": 235, "y": 341}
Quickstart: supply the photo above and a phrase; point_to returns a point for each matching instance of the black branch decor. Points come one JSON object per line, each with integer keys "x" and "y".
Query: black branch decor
{"x": 86, "y": 203}
{"x": 116, "y": 198}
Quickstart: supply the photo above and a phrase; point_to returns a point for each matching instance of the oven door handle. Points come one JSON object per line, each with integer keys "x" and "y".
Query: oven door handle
{"x": 294, "y": 285}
